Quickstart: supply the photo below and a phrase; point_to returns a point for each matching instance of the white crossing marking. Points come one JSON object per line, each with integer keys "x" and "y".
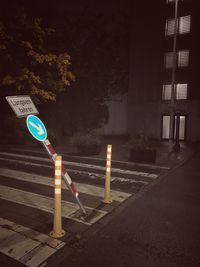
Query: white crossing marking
{"x": 85, "y": 165}
{"x": 82, "y": 188}
{"x": 31, "y": 247}
{"x": 45, "y": 203}
{"x": 92, "y": 175}
{"x": 26, "y": 245}
{"x": 151, "y": 166}
{"x": 14, "y": 244}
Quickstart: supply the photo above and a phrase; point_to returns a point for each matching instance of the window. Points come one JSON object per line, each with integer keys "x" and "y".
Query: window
{"x": 167, "y": 91}
{"x": 180, "y": 91}
{"x": 182, "y": 58}
{"x": 169, "y": 27}
{"x": 166, "y": 126}
{"x": 181, "y": 127}
{"x": 172, "y": 1}
{"x": 183, "y": 25}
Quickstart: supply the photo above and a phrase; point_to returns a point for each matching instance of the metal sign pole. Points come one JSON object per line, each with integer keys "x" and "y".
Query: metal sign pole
{"x": 23, "y": 106}
{"x": 49, "y": 148}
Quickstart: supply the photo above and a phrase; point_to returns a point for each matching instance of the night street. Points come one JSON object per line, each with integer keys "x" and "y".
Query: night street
{"x": 26, "y": 199}
{"x": 99, "y": 133}
{"x": 151, "y": 221}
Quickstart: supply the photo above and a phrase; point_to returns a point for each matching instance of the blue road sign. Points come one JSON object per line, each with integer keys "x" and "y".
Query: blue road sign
{"x": 36, "y": 127}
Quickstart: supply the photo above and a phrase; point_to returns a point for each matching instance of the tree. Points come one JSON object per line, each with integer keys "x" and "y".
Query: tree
{"x": 27, "y": 64}
{"x": 99, "y": 45}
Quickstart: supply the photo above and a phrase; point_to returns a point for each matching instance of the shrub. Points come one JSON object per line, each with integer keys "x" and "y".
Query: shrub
{"x": 141, "y": 150}
{"x": 87, "y": 143}
{"x": 140, "y": 142}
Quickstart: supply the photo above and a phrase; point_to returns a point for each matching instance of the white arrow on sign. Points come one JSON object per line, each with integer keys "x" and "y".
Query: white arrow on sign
{"x": 37, "y": 127}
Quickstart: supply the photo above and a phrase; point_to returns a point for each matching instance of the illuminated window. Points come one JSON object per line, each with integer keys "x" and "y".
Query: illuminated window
{"x": 183, "y": 25}
{"x": 169, "y": 27}
{"x": 172, "y": 1}
{"x": 167, "y": 90}
{"x": 180, "y": 91}
{"x": 166, "y": 127}
{"x": 182, "y": 58}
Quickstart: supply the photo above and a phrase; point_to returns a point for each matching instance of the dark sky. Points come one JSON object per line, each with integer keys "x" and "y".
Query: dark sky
{"x": 56, "y": 9}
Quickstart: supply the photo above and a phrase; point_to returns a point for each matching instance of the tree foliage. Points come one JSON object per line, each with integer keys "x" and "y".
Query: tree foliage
{"x": 28, "y": 66}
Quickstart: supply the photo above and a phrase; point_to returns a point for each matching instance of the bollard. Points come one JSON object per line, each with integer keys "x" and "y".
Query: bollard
{"x": 107, "y": 197}
{"x": 66, "y": 178}
{"x": 57, "y": 223}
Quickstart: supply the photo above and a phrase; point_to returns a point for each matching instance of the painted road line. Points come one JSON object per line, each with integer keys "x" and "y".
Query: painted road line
{"x": 131, "y": 164}
{"x": 26, "y": 245}
{"x": 27, "y": 232}
{"x": 85, "y": 165}
{"x": 44, "y": 180}
{"x": 91, "y": 175}
{"x": 128, "y": 181}
{"x": 26, "y": 162}
{"x": 47, "y": 204}
{"x": 15, "y": 244}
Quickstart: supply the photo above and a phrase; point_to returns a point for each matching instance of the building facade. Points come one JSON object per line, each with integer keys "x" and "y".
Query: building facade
{"x": 151, "y": 68}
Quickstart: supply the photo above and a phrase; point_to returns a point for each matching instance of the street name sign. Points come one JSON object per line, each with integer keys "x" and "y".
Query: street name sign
{"x": 36, "y": 127}
{"x": 22, "y": 105}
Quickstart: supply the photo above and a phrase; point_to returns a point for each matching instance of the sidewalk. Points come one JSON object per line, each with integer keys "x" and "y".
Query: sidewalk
{"x": 159, "y": 229}
{"x": 120, "y": 152}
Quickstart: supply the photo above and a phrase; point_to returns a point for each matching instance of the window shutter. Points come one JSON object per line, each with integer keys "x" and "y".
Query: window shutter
{"x": 184, "y": 24}
{"x": 167, "y": 89}
{"x": 183, "y": 58}
{"x": 170, "y": 24}
{"x": 181, "y": 91}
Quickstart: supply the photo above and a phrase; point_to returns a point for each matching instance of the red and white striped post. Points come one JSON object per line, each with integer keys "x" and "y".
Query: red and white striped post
{"x": 52, "y": 153}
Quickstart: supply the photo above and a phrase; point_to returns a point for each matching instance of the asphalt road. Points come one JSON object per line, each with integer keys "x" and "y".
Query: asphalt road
{"x": 26, "y": 201}
{"x": 161, "y": 228}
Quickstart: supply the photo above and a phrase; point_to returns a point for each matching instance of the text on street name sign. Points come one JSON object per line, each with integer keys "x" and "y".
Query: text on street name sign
{"x": 22, "y": 105}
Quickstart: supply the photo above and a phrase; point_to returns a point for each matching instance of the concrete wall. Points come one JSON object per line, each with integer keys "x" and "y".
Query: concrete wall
{"x": 193, "y": 124}
{"x": 144, "y": 118}
{"x": 118, "y": 116}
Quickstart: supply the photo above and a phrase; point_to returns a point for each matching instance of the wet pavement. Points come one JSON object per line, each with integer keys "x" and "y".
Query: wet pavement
{"x": 25, "y": 173}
